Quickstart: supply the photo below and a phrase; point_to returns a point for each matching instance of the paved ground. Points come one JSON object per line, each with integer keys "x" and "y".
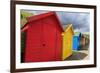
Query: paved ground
{"x": 83, "y": 53}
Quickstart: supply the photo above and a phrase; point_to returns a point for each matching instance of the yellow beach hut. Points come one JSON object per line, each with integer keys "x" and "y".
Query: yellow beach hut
{"x": 67, "y": 41}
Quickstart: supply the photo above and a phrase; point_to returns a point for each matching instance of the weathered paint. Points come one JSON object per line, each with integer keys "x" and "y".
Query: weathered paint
{"x": 67, "y": 42}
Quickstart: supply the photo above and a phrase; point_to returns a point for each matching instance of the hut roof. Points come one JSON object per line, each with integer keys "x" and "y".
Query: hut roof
{"x": 67, "y": 27}
{"x": 40, "y": 16}
{"x": 77, "y": 34}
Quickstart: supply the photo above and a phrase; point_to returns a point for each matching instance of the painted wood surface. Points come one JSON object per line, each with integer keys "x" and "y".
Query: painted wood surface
{"x": 44, "y": 40}
{"x": 67, "y": 42}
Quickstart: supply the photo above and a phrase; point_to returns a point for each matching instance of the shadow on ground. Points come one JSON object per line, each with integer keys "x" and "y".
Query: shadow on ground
{"x": 77, "y": 56}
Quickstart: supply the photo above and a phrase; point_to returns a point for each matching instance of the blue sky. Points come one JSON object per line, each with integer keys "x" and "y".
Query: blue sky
{"x": 80, "y": 21}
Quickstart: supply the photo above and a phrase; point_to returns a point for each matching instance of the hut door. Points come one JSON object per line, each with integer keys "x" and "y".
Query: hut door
{"x": 49, "y": 40}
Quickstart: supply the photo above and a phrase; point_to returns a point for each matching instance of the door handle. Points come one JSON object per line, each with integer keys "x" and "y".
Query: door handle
{"x": 43, "y": 44}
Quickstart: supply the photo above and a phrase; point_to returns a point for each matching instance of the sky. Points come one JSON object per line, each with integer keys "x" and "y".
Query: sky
{"x": 79, "y": 20}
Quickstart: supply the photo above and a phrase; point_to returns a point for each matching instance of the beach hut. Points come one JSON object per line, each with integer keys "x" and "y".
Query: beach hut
{"x": 86, "y": 39}
{"x": 83, "y": 40}
{"x": 67, "y": 41}
{"x": 76, "y": 41}
{"x": 44, "y": 39}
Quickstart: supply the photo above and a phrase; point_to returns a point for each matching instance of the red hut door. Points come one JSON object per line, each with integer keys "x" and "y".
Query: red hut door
{"x": 49, "y": 40}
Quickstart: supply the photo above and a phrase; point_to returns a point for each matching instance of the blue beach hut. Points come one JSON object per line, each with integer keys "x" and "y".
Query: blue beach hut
{"x": 76, "y": 41}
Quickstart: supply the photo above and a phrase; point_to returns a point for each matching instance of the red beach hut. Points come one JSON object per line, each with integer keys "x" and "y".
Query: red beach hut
{"x": 44, "y": 40}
